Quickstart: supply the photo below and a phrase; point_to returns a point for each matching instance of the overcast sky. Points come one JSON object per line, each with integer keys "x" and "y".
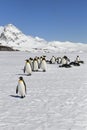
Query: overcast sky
{"x": 61, "y": 20}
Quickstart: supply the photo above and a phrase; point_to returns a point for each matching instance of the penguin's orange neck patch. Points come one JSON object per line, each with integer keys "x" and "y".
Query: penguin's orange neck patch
{"x": 20, "y": 81}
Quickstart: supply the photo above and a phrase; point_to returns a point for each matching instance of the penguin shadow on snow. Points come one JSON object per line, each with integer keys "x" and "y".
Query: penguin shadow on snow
{"x": 15, "y": 96}
{"x": 24, "y": 74}
{"x": 38, "y": 71}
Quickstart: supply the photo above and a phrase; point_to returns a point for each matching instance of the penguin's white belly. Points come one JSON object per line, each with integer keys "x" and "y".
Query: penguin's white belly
{"x": 53, "y": 60}
{"x": 28, "y": 69}
{"x": 64, "y": 61}
{"x": 21, "y": 89}
{"x": 35, "y": 65}
{"x": 43, "y": 65}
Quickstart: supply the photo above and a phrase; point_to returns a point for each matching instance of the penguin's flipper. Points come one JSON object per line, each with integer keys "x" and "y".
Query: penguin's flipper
{"x": 17, "y": 89}
{"x": 25, "y": 86}
{"x": 24, "y": 69}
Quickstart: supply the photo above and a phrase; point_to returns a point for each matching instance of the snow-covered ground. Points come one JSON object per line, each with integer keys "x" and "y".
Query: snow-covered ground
{"x": 55, "y": 100}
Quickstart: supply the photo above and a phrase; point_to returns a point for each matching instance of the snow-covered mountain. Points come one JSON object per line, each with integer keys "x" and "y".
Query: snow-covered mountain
{"x": 12, "y": 37}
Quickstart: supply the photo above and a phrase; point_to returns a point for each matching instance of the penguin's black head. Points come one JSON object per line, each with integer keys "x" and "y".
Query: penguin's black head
{"x": 21, "y": 78}
{"x": 65, "y": 57}
{"x": 35, "y": 59}
{"x": 30, "y": 58}
{"x": 43, "y": 58}
{"x": 27, "y": 60}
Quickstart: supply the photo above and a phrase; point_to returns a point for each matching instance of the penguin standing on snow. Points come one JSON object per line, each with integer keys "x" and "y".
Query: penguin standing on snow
{"x": 35, "y": 64}
{"x": 31, "y": 62}
{"x": 43, "y": 64}
{"x": 27, "y": 68}
{"x": 53, "y": 60}
{"x": 21, "y": 87}
{"x": 77, "y": 59}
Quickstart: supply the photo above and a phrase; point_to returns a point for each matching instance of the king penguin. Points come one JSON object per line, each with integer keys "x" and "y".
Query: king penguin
{"x": 53, "y": 60}
{"x": 43, "y": 64}
{"x": 27, "y": 68}
{"x": 21, "y": 87}
{"x": 77, "y": 59}
{"x": 35, "y": 64}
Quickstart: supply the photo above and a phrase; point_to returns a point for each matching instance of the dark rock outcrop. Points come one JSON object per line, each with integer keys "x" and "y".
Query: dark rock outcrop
{"x": 5, "y": 48}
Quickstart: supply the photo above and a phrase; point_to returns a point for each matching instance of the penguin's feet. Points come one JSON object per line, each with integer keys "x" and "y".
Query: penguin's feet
{"x": 44, "y": 70}
{"x": 28, "y": 74}
{"x": 22, "y": 96}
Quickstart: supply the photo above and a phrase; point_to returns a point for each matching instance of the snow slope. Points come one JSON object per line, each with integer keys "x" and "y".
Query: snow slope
{"x": 55, "y": 100}
{"x": 11, "y": 36}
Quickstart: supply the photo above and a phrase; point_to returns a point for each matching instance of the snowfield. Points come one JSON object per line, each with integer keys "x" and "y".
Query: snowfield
{"x": 55, "y": 100}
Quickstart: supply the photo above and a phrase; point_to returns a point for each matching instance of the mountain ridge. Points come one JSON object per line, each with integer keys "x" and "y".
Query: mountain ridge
{"x": 14, "y": 38}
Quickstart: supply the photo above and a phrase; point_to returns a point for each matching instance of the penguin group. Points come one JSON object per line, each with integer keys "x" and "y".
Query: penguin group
{"x": 31, "y": 65}
{"x": 40, "y": 64}
{"x": 65, "y": 61}
{"x": 35, "y": 64}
